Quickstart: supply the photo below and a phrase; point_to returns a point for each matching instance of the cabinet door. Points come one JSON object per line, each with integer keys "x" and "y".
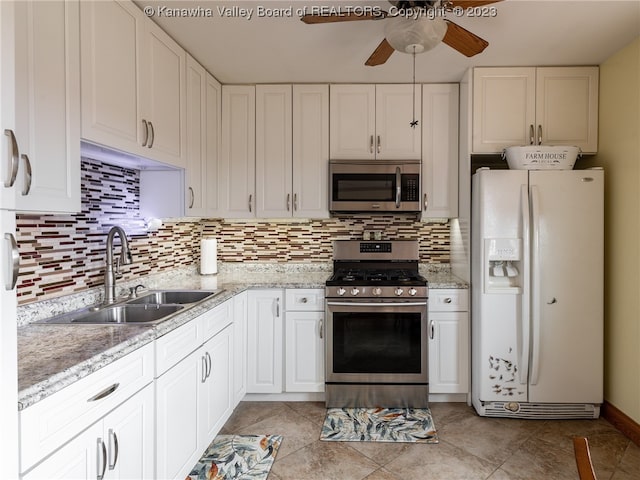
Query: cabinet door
{"x": 567, "y": 107}
{"x": 163, "y": 65}
{"x": 273, "y": 151}
{"x": 195, "y": 175}
{"x": 9, "y": 161}
{"x": 503, "y": 108}
{"x": 353, "y": 121}
{"x": 129, "y": 435}
{"x": 48, "y": 105}
{"x": 396, "y": 107}
{"x": 311, "y": 151}
{"x": 264, "y": 341}
{"x": 304, "y": 352}
{"x": 238, "y": 158}
{"x": 83, "y": 458}
{"x": 213, "y": 99}
{"x": 177, "y": 446}
{"x": 440, "y": 151}
{"x": 448, "y": 352}
{"x": 240, "y": 316}
{"x": 216, "y": 390}
{"x": 110, "y": 74}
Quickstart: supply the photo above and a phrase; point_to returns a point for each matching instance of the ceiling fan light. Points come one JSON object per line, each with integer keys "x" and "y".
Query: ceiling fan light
{"x": 420, "y": 35}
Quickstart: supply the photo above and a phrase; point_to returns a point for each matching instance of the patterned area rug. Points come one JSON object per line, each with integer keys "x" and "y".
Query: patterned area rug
{"x": 413, "y": 425}
{"x": 237, "y": 457}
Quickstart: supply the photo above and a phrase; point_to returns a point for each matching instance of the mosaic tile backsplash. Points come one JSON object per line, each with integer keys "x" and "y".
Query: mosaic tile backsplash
{"x": 64, "y": 254}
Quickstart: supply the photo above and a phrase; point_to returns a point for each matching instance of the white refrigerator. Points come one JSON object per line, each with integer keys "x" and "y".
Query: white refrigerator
{"x": 537, "y": 293}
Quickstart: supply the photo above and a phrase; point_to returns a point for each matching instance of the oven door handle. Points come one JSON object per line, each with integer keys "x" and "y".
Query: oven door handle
{"x": 398, "y": 186}
{"x": 377, "y": 304}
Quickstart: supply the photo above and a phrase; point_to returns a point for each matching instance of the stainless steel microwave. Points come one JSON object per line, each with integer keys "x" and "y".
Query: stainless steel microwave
{"x": 374, "y": 186}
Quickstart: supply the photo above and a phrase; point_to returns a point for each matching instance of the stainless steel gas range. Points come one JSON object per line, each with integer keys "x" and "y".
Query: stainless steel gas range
{"x": 376, "y": 326}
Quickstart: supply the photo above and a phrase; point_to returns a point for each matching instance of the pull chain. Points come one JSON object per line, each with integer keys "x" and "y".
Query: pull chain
{"x": 414, "y": 122}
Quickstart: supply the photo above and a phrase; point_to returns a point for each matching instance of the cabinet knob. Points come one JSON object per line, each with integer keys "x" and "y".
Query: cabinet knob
{"x": 303, "y": 300}
{"x": 448, "y": 300}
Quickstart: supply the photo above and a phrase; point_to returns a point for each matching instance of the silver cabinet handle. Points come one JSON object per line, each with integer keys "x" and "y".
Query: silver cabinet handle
{"x": 116, "y": 449}
{"x": 539, "y": 134}
{"x": 303, "y": 300}
{"x": 531, "y": 138}
{"x": 208, "y": 364}
{"x": 146, "y": 132}
{"x": 15, "y": 158}
{"x": 398, "y": 186}
{"x": 432, "y": 330}
{"x": 250, "y": 201}
{"x": 28, "y": 174}
{"x": 288, "y": 202}
{"x": 203, "y": 378}
{"x": 277, "y": 307}
{"x": 15, "y": 261}
{"x": 153, "y": 135}
{"x": 104, "y": 393}
{"x": 295, "y": 201}
{"x": 426, "y": 202}
{"x": 371, "y": 144}
{"x": 321, "y": 329}
{"x": 102, "y": 449}
{"x": 447, "y": 300}
{"x": 379, "y": 144}
{"x": 192, "y": 197}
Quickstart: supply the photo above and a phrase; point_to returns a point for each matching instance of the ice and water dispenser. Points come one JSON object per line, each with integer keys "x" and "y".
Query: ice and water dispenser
{"x": 503, "y": 265}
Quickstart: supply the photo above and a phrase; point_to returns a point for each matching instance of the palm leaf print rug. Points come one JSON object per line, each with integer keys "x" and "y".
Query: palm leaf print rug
{"x": 237, "y": 457}
{"x": 411, "y": 425}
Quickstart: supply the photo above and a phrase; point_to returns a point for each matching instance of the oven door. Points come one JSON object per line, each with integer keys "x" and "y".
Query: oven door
{"x": 376, "y": 342}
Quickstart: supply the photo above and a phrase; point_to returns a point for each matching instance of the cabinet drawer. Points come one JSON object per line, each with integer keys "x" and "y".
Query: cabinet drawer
{"x": 48, "y": 424}
{"x": 304, "y": 299}
{"x": 215, "y": 320}
{"x": 449, "y": 300}
{"x": 177, "y": 344}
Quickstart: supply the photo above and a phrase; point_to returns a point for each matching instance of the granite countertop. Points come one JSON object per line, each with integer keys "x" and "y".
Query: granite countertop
{"x": 51, "y": 357}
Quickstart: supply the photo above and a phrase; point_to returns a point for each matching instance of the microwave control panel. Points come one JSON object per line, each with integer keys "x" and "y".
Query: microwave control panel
{"x": 410, "y": 188}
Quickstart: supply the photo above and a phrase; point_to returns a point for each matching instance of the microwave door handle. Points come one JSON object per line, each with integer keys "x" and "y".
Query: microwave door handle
{"x": 398, "y": 186}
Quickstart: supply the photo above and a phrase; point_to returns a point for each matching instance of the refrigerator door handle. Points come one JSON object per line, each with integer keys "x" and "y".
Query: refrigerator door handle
{"x": 526, "y": 302}
{"x": 535, "y": 285}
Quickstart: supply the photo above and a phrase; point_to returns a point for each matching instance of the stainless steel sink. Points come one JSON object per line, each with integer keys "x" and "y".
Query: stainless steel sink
{"x": 179, "y": 297}
{"x": 124, "y": 314}
{"x": 149, "y": 309}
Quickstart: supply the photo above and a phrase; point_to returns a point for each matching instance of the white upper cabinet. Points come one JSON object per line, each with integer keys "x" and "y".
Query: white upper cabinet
{"x": 133, "y": 83}
{"x": 440, "y": 150}
{"x": 212, "y": 135}
{"x": 374, "y": 122}
{"x": 533, "y": 106}
{"x": 47, "y": 107}
{"x": 292, "y": 151}
{"x": 237, "y": 166}
{"x": 274, "y": 151}
{"x": 195, "y": 202}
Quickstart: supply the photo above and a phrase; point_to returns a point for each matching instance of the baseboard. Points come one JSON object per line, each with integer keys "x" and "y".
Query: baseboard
{"x": 621, "y": 421}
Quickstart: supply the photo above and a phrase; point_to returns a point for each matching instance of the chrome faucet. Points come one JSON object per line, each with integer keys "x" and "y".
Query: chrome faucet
{"x": 112, "y": 272}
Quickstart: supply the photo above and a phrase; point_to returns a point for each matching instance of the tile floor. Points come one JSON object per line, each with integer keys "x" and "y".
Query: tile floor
{"x": 471, "y": 447}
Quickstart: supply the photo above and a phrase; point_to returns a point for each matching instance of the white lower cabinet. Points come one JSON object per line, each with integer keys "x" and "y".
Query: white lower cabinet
{"x": 304, "y": 344}
{"x": 98, "y": 427}
{"x": 240, "y": 346}
{"x": 194, "y": 396}
{"x": 448, "y": 341}
{"x": 264, "y": 341}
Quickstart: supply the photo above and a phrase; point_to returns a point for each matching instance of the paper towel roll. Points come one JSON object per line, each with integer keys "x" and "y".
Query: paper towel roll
{"x": 208, "y": 256}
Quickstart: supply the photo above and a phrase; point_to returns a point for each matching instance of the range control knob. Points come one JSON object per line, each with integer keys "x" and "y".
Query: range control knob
{"x": 355, "y": 291}
{"x": 399, "y": 291}
{"x": 341, "y": 291}
{"x": 412, "y": 291}
{"x": 377, "y": 291}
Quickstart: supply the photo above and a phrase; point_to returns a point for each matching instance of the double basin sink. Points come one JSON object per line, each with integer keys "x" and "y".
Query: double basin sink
{"x": 148, "y": 309}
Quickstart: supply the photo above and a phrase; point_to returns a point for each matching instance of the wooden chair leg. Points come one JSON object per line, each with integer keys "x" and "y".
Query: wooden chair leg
{"x": 583, "y": 458}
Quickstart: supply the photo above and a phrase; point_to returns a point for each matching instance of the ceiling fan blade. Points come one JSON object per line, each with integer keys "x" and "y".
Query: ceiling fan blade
{"x": 381, "y": 54}
{"x": 471, "y": 3}
{"x": 462, "y": 40}
{"x": 311, "y": 19}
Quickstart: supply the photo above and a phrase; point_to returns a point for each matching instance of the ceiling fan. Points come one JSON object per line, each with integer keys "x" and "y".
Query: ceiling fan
{"x": 414, "y": 26}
